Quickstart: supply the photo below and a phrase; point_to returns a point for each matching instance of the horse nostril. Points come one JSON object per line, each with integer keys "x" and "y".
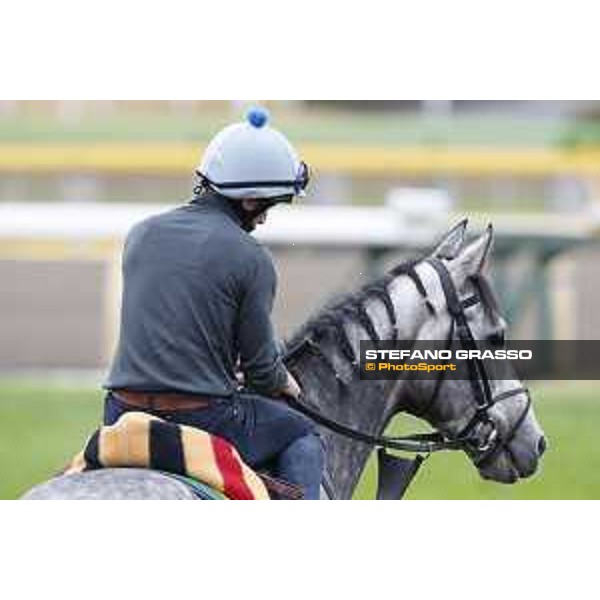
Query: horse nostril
{"x": 541, "y": 446}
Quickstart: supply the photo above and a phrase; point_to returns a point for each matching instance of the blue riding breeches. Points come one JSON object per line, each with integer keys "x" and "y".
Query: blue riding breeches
{"x": 265, "y": 432}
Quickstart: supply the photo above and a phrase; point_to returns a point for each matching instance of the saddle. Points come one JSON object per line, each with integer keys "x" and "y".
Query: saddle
{"x": 210, "y": 465}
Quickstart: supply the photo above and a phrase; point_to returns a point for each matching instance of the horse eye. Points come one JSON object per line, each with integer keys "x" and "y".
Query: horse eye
{"x": 497, "y": 338}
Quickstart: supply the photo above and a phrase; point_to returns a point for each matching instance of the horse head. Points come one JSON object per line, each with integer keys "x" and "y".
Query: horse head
{"x": 506, "y": 440}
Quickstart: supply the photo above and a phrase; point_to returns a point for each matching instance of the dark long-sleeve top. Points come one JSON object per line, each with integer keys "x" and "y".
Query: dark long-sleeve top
{"x": 198, "y": 291}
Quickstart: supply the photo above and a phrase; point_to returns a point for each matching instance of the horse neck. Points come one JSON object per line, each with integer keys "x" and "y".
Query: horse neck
{"x": 366, "y": 406}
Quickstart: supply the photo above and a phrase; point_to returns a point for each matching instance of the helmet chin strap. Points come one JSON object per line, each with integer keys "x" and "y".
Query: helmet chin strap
{"x": 248, "y": 217}
{"x": 243, "y": 215}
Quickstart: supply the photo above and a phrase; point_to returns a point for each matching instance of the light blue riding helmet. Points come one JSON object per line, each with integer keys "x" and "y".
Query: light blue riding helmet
{"x": 251, "y": 159}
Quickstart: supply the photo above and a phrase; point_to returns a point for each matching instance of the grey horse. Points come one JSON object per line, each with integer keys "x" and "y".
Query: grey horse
{"x": 409, "y": 303}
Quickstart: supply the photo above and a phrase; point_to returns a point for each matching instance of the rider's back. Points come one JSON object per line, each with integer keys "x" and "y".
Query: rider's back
{"x": 197, "y": 291}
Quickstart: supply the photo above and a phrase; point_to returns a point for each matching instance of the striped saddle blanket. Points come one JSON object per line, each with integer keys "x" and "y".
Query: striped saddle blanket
{"x": 138, "y": 439}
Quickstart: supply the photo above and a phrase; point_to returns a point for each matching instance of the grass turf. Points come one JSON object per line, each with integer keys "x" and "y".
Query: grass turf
{"x": 42, "y": 427}
{"x": 568, "y": 413}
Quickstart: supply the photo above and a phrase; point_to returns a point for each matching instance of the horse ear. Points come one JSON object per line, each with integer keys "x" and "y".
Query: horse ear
{"x": 452, "y": 242}
{"x": 472, "y": 258}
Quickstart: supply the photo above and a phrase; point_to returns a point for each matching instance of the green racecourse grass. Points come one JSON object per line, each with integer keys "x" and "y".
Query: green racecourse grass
{"x": 570, "y": 416}
{"x": 41, "y": 428}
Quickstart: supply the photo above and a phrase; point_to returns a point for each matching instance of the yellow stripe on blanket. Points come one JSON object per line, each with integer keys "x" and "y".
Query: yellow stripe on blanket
{"x": 199, "y": 457}
{"x": 127, "y": 441}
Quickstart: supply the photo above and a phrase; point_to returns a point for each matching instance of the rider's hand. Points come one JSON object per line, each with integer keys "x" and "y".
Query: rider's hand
{"x": 291, "y": 388}
{"x": 240, "y": 378}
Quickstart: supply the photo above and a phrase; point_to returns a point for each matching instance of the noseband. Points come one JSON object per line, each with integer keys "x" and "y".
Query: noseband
{"x": 480, "y": 437}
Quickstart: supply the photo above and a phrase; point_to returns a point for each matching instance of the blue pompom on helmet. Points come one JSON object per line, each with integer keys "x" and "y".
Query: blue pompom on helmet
{"x": 257, "y": 117}
{"x": 251, "y": 159}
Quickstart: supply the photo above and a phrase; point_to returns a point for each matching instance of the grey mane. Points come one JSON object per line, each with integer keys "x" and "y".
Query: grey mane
{"x": 324, "y": 360}
{"x": 329, "y": 322}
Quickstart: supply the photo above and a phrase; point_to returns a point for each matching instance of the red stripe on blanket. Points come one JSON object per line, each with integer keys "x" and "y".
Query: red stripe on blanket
{"x": 234, "y": 484}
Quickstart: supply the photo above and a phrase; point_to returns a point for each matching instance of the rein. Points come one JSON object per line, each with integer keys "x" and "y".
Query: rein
{"x": 427, "y": 443}
{"x": 417, "y": 442}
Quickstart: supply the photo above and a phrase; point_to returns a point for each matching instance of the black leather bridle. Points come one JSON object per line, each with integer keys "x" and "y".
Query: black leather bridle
{"x": 483, "y": 448}
{"x": 493, "y": 443}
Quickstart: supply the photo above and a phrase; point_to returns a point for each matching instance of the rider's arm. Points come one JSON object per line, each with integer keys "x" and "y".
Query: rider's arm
{"x": 260, "y": 357}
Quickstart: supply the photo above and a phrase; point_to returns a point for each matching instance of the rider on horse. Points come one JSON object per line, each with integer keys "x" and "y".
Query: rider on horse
{"x": 196, "y": 310}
